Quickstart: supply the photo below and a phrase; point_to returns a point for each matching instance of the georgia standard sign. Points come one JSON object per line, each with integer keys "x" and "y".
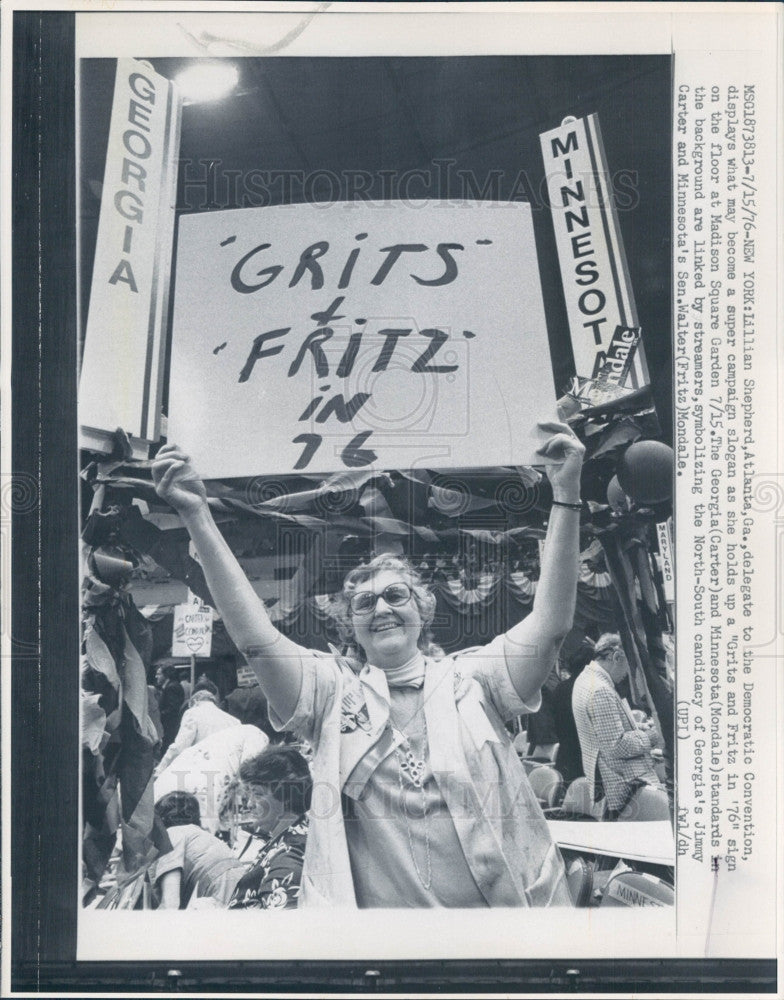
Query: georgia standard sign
{"x": 313, "y": 338}
{"x": 122, "y": 366}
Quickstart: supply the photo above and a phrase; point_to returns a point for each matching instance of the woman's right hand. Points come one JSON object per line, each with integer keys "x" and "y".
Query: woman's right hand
{"x": 176, "y": 481}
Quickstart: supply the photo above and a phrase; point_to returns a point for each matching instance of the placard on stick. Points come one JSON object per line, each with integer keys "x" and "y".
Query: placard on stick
{"x": 192, "y": 628}
{"x": 313, "y": 338}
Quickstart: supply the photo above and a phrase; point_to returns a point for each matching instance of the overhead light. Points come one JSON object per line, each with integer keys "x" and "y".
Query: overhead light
{"x": 207, "y": 81}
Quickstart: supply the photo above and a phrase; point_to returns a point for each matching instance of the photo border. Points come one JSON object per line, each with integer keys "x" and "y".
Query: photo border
{"x": 43, "y": 738}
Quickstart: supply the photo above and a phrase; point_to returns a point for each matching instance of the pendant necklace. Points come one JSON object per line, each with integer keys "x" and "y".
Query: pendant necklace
{"x": 412, "y": 764}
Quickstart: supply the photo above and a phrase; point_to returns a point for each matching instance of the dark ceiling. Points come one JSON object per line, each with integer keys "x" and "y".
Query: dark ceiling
{"x": 330, "y": 129}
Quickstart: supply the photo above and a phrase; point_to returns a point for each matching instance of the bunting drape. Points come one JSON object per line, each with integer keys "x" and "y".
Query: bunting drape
{"x": 118, "y": 735}
{"x": 465, "y": 613}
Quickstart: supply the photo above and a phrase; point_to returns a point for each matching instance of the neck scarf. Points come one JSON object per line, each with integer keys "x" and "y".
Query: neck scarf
{"x": 409, "y": 674}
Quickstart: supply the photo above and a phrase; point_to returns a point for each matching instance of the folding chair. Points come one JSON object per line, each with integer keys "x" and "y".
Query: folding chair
{"x": 578, "y": 804}
{"x": 545, "y": 751}
{"x": 531, "y": 764}
{"x": 547, "y": 784}
{"x": 648, "y": 803}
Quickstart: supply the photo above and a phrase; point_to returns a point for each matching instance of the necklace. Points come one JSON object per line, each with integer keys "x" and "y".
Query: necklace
{"x": 410, "y": 764}
{"x": 413, "y": 766}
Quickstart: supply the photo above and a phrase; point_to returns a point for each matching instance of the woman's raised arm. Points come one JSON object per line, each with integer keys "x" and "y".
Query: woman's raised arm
{"x": 274, "y": 658}
{"x": 539, "y": 636}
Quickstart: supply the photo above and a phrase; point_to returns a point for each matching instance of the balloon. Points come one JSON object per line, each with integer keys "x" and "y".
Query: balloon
{"x": 645, "y": 471}
{"x": 616, "y": 498}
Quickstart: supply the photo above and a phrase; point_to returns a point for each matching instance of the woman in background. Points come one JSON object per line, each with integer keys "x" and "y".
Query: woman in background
{"x": 278, "y": 787}
{"x": 209, "y": 768}
{"x": 199, "y": 865}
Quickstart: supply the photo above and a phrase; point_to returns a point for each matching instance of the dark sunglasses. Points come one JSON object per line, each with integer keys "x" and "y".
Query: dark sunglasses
{"x": 395, "y": 595}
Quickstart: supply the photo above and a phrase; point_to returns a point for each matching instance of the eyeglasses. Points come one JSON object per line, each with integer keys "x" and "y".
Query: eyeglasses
{"x": 395, "y": 595}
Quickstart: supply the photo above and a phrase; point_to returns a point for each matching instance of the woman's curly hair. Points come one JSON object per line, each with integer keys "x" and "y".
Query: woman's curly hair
{"x": 426, "y": 602}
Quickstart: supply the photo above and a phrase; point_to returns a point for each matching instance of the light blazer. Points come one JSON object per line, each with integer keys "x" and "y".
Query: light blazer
{"x": 608, "y": 737}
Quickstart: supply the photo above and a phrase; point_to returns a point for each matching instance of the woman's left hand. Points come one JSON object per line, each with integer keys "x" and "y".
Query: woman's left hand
{"x": 565, "y": 451}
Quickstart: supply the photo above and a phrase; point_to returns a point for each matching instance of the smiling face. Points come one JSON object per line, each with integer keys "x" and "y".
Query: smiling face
{"x": 388, "y": 635}
{"x": 266, "y": 809}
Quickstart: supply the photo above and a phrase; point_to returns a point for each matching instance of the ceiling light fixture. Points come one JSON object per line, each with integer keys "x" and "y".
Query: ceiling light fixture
{"x": 207, "y": 81}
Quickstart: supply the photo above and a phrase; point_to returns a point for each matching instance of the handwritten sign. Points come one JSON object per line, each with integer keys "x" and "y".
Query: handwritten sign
{"x": 314, "y": 338}
{"x": 192, "y": 628}
{"x": 597, "y": 290}
{"x": 122, "y": 366}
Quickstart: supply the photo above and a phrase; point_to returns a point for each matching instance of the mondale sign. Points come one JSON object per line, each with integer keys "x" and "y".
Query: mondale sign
{"x": 313, "y": 338}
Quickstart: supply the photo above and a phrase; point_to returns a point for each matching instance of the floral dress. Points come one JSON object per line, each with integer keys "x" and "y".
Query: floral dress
{"x": 273, "y": 882}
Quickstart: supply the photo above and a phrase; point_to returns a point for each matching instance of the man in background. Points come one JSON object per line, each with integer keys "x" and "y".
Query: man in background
{"x": 610, "y": 738}
{"x": 169, "y": 703}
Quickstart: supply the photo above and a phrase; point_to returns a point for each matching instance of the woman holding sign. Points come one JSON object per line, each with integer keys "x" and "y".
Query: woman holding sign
{"x": 419, "y": 798}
